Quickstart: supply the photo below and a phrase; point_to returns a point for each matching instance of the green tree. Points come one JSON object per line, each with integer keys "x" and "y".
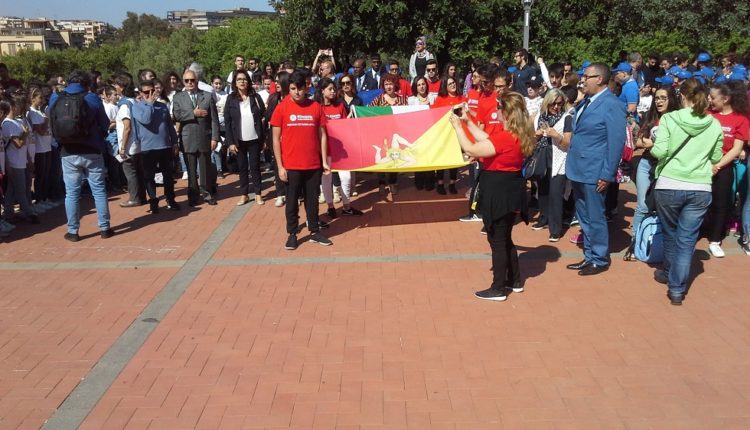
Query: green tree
{"x": 162, "y": 56}
{"x": 136, "y": 27}
{"x": 251, "y": 37}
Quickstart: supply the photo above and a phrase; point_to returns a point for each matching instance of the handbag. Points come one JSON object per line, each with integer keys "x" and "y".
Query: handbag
{"x": 536, "y": 165}
{"x": 650, "y": 193}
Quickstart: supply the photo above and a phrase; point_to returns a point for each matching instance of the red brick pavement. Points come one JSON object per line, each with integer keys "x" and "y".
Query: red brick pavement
{"x": 401, "y": 344}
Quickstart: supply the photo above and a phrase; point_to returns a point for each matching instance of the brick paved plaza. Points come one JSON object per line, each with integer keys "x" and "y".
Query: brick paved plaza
{"x": 200, "y": 319}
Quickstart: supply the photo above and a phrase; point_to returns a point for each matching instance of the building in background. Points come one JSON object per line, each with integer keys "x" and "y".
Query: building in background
{"x": 42, "y": 34}
{"x": 203, "y": 20}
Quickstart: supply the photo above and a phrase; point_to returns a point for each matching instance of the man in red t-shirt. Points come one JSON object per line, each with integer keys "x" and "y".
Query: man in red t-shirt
{"x": 299, "y": 143}
{"x": 404, "y": 87}
{"x": 433, "y": 80}
{"x": 481, "y": 103}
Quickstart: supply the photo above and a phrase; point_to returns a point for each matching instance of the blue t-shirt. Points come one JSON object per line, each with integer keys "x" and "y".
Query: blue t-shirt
{"x": 630, "y": 94}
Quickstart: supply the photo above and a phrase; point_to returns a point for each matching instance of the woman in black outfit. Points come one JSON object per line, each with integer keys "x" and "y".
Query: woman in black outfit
{"x": 348, "y": 93}
{"x": 243, "y": 120}
{"x": 282, "y": 90}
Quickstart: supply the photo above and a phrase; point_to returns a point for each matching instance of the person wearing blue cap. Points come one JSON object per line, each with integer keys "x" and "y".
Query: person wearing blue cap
{"x": 665, "y": 81}
{"x": 702, "y": 60}
{"x": 682, "y": 76}
{"x": 593, "y": 158}
{"x": 629, "y": 94}
{"x": 584, "y": 65}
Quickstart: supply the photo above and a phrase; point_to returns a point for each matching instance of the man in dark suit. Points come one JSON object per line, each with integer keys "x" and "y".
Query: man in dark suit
{"x": 363, "y": 81}
{"x": 593, "y": 157}
{"x": 196, "y": 112}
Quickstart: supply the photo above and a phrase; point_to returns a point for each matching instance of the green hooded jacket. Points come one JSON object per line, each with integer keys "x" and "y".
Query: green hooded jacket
{"x": 703, "y": 150}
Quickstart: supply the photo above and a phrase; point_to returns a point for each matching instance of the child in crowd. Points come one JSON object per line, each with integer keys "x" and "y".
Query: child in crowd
{"x": 534, "y": 95}
{"x": 15, "y": 138}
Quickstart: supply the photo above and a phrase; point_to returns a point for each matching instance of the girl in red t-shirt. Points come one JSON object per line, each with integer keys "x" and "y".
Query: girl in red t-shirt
{"x": 447, "y": 96}
{"x": 730, "y": 107}
{"x": 503, "y": 187}
{"x": 334, "y": 110}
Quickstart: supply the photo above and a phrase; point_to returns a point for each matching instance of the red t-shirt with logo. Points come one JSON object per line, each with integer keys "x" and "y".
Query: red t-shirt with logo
{"x": 300, "y": 125}
{"x": 735, "y": 126}
{"x": 508, "y": 156}
{"x": 334, "y": 111}
{"x": 433, "y": 87}
{"x": 447, "y": 101}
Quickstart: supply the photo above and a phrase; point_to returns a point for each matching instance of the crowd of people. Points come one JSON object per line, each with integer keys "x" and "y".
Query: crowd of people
{"x": 547, "y": 136}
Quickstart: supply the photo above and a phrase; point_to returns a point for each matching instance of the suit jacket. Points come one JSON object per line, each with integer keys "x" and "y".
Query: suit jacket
{"x": 233, "y": 117}
{"x": 369, "y": 83}
{"x": 598, "y": 140}
{"x": 196, "y": 133}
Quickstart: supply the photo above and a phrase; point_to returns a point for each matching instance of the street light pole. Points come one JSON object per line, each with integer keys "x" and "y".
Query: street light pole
{"x": 526, "y": 21}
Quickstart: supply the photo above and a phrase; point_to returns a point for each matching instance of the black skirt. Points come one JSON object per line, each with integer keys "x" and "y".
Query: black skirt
{"x": 501, "y": 193}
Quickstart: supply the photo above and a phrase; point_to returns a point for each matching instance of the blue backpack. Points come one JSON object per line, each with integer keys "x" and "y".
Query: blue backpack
{"x": 649, "y": 242}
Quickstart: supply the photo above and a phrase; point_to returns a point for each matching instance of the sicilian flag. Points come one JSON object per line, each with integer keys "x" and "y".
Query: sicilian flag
{"x": 365, "y": 111}
{"x": 410, "y": 142}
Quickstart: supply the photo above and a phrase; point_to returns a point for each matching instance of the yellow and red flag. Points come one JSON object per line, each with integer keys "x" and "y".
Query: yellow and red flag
{"x": 408, "y": 142}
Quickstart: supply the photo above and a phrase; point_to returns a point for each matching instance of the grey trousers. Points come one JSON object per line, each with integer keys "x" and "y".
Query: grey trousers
{"x": 133, "y": 169}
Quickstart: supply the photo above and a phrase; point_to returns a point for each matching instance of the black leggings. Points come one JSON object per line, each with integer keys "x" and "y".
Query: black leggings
{"x": 249, "y": 170}
{"x": 505, "y": 269}
{"x": 721, "y": 201}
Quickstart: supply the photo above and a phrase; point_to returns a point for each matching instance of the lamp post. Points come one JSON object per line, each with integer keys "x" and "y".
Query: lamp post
{"x": 526, "y": 21}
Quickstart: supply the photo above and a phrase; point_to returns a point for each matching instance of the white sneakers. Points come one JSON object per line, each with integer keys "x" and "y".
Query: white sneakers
{"x": 715, "y": 249}
{"x": 280, "y": 200}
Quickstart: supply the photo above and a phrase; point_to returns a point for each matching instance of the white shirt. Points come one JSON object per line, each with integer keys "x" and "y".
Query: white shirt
{"x": 533, "y": 105}
{"x": 264, "y": 95}
{"x": 247, "y": 122}
{"x": 16, "y": 157}
{"x": 644, "y": 104}
{"x": 132, "y": 146}
{"x": 111, "y": 110}
{"x": 43, "y": 142}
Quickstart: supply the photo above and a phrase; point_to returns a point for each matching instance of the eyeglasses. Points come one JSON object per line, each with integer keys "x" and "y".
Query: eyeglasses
{"x": 431, "y": 69}
{"x": 587, "y": 77}
{"x": 558, "y": 103}
{"x": 238, "y": 80}
{"x": 346, "y": 82}
{"x": 451, "y": 82}
{"x": 187, "y": 81}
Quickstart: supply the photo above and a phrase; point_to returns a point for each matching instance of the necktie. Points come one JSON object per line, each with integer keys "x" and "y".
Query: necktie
{"x": 192, "y": 97}
{"x": 359, "y": 82}
{"x": 583, "y": 109}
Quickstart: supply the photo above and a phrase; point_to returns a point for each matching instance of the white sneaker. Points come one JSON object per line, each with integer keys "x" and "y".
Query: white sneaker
{"x": 336, "y": 195}
{"x": 159, "y": 178}
{"x": 280, "y": 201}
{"x": 321, "y": 197}
{"x": 715, "y": 249}
{"x": 184, "y": 176}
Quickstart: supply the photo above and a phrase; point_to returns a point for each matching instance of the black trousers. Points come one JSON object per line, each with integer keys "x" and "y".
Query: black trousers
{"x": 551, "y": 193}
{"x": 42, "y": 167}
{"x": 159, "y": 160}
{"x": 133, "y": 168}
{"x": 505, "y": 268}
{"x": 721, "y": 202}
{"x": 299, "y": 182}
{"x": 424, "y": 179}
{"x": 207, "y": 177}
{"x": 248, "y": 163}
{"x": 392, "y": 178}
{"x": 452, "y": 174}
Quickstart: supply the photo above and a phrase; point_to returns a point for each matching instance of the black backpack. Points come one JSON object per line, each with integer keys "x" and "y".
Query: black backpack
{"x": 69, "y": 119}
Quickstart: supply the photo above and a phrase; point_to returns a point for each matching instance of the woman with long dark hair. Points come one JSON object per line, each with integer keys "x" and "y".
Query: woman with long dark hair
{"x": 348, "y": 93}
{"x": 729, "y": 106}
{"x": 243, "y": 120}
{"x": 281, "y": 90}
{"x": 507, "y": 139}
{"x": 448, "y": 95}
{"x": 664, "y": 101}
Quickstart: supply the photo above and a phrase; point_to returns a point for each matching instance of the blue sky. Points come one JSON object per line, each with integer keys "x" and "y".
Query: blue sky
{"x": 114, "y": 12}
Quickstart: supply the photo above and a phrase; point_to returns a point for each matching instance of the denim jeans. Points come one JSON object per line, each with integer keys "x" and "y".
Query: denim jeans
{"x": 642, "y": 182}
{"x": 681, "y": 214}
{"x": 746, "y": 207}
{"x": 75, "y": 169}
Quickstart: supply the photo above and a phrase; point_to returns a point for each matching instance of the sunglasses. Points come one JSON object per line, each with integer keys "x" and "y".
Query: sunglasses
{"x": 431, "y": 69}
{"x": 189, "y": 80}
{"x": 346, "y": 82}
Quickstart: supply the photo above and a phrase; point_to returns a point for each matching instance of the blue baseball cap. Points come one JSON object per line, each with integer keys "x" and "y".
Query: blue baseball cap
{"x": 684, "y": 74}
{"x": 674, "y": 70}
{"x": 586, "y": 63}
{"x": 740, "y": 68}
{"x": 700, "y": 78}
{"x": 720, "y": 79}
{"x": 737, "y": 76}
{"x": 665, "y": 80}
{"x": 623, "y": 67}
{"x": 704, "y": 57}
